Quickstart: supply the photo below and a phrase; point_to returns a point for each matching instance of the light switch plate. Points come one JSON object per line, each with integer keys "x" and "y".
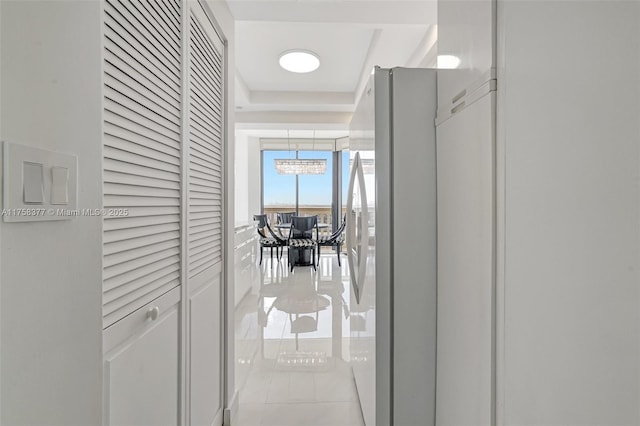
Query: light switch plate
{"x": 38, "y": 185}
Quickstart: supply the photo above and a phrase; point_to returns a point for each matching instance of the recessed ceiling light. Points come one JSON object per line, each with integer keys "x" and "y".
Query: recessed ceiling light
{"x": 299, "y": 61}
{"x": 448, "y": 62}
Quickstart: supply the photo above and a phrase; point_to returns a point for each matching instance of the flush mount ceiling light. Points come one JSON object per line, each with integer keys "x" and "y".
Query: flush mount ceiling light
{"x": 299, "y": 61}
{"x": 448, "y": 62}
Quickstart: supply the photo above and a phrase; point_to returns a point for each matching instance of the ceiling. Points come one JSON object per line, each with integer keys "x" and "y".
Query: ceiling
{"x": 350, "y": 37}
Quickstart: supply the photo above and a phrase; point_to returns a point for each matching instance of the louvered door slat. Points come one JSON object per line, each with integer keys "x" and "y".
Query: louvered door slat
{"x": 212, "y": 56}
{"x": 204, "y": 164}
{"x": 116, "y": 165}
{"x": 204, "y": 156}
{"x": 136, "y": 69}
{"x": 142, "y": 154}
{"x": 200, "y": 136}
{"x": 137, "y": 253}
{"x": 136, "y": 243}
{"x": 127, "y": 98}
{"x": 206, "y": 150}
{"x": 208, "y": 100}
{"x": 153, "y": 23}
{"x": 126, "y": 41}
{"x": 206, "y": 176}
{"x": 161, "y": 277}
{"x": 141, "y": 273}
{"x": 204, "y": 128}
{"x": 206, "y": 236}
{"x": 129, "y": 179}
{"x": 202, "y": 209}
{"x": 139, "y": 125}
{"x": 139, "y": 38}
{"x": 137, "y": 264}
{"x": 138, "y": 191}
{"x": 126, "y": 201}
{"x": 138, "y": 221}
{"x": 139, "y": 160}
{"x": 175, "y": 8}
{"x": 203, "y": 114}
{"x": 202, "y": 149}
{"x": 169, "y": 21}
{"x": 129, "y": 234}
{"x": 205, "y": 79}
{"x": 115, "y": 72}
{"x": 137, "y": 25}
{"x": 123, "y": 141}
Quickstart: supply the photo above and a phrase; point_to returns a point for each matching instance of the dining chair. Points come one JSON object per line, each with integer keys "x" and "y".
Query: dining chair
{"x": 334, "y": 240}
{"x": 268, "y": 238}
{"x": 284, "y": 217}
{"x": 301, "y": 238}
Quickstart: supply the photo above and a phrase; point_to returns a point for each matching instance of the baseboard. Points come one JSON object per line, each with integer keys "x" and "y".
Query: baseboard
{"x": 231, "y": 412}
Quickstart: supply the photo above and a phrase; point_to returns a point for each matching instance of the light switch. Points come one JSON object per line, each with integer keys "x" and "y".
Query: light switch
{"x": 59, "y": 185}
{"x": 32, "y": 183}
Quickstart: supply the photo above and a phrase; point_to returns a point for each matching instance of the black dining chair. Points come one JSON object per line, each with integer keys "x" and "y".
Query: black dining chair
{"x": 334, "y": 240}
{"x": 301, "y": 238}
{"x": 284, "y": 217}
{"x": 268, "y": 238}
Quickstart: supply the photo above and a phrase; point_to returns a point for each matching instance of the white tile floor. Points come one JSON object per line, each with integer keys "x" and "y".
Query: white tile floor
{"x": 299, "y": 373}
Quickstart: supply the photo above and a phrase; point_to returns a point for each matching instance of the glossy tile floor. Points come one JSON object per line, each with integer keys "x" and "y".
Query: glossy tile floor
{"x": 293, "y": 341}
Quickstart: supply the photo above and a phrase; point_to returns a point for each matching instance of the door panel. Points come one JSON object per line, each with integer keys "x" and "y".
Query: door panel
{"x": 142, "y": 375}
{"x": 206, "y": 338}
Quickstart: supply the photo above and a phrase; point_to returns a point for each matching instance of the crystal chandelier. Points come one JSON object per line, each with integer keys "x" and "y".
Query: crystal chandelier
{"x": 301, "y": 166}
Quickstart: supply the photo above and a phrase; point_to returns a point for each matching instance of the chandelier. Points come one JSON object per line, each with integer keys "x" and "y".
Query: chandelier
{"x": 301, "y": 166}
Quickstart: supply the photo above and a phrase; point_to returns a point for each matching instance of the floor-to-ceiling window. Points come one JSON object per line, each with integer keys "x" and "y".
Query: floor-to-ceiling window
{"x": 305, "y": 194}
{"x": 315, "y": 192}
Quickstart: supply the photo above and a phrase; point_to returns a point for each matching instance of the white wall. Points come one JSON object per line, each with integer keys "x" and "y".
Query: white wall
{"x": 242, "y": 178}
{"x": 248, "y": 175}
{"x": 569, "y": 123}
{"x": 51, "y": 278}
{"x": 255, "y": 176}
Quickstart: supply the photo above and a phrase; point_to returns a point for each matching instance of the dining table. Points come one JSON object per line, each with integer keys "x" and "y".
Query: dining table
{"x": 288, "y": 225}
{"x": 304, "y": 257}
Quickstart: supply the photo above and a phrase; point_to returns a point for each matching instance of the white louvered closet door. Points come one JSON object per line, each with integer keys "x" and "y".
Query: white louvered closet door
{"x": 142, "y": 153}
{"x": 205, "y": 145}
{"x": 205, "y": 217}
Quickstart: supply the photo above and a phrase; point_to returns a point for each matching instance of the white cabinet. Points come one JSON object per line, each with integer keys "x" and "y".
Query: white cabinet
{"x": 466, "y": 30}
{"x": 556, "y": 339}
{"x": 141, "y": 366}
{"x": 465, "y": 153}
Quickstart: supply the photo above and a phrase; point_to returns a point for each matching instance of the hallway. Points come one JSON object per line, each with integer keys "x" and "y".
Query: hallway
{"x": 293, "y": 346}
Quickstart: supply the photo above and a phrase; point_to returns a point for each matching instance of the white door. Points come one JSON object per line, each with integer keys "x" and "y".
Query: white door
{"x": 142, "y": 146}
{"x": 205, "y": 208}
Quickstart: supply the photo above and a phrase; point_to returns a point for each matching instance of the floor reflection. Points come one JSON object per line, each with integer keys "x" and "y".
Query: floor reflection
{"x": 299, "y": 373}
